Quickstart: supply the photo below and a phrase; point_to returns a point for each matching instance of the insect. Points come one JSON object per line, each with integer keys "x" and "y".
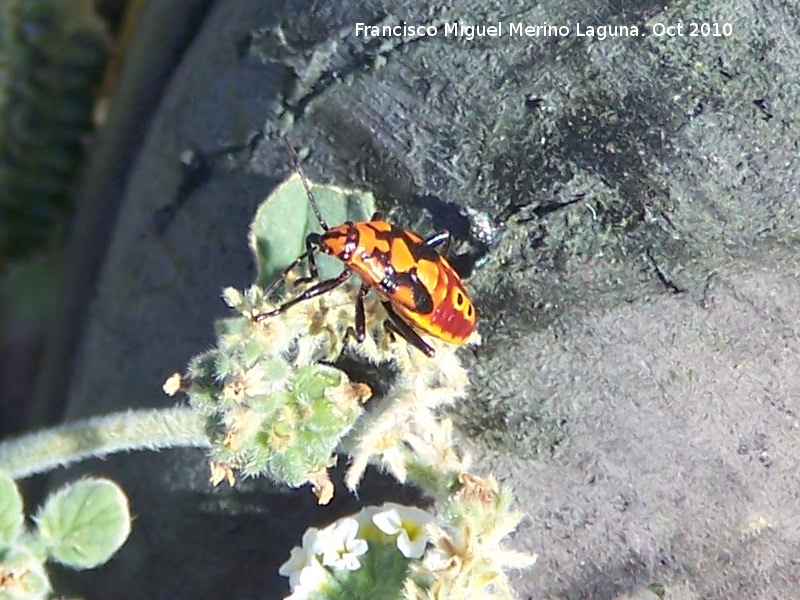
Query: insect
{"x": 419, "y": 289}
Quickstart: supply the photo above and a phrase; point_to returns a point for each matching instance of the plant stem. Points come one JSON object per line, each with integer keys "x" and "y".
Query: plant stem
{"x": 100, "y": 436}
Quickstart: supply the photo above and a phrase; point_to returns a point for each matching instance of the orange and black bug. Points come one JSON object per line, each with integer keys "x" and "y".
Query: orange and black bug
{"x": 418, "y": 287}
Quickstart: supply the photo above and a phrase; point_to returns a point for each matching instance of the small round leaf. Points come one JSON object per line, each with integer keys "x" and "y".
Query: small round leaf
{"x": 84, "y": 524}
{"x": 11, "y": 515}
{"x": 278, "y": 231}
{"x": 285, "y": 218}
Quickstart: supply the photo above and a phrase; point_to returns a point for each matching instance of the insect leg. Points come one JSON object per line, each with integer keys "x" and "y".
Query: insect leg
{"x": 404, "y": 330}
{"x": 321, "y": 288}
{"x": 312, "y": 245}
{"x": 360, "y": 332}
{"x": 439, "y": 239}
{"x": 361, "y": 320}
{"x": 308, "y": 253}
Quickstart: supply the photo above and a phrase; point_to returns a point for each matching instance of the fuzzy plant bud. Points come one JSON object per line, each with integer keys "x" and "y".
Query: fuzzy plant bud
{"x": 269, "y": 417}
{"x": 267, "y": 411}
{"x": 468, "y": 558}
{"x": 22, "y": 575}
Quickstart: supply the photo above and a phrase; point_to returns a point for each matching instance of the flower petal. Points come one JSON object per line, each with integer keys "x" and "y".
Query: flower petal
{"x": 411, "y": 548}
{"x": 311, "y": 579}
{"x": 339, "y": 545}
{"x": 389, "y": 521}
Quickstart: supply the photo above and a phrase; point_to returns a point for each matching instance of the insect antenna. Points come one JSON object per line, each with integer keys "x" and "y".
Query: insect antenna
{"x": 296, "y": 163}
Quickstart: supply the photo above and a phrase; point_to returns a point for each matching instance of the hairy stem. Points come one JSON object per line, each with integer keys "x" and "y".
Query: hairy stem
{"x": 100, "y": 436}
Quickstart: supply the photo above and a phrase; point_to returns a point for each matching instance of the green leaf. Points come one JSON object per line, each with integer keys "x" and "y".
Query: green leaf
{"x": 285, "y": 218}
{"x": 11, "y": 515}
{"x": 84, "y": 524}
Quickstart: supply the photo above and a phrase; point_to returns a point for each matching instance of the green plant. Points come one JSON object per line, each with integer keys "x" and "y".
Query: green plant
{"x": 52, "y": 60}
{"x": 81, "y": 526}
{"x": 266, "y": 402}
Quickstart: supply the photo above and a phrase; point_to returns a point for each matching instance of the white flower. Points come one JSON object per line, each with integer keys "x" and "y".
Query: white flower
{"x": 409, "y": 523}
{"x": 301, "y": 558}
{"x": 339, "y": 545}
{"x": 311, "y": 579}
